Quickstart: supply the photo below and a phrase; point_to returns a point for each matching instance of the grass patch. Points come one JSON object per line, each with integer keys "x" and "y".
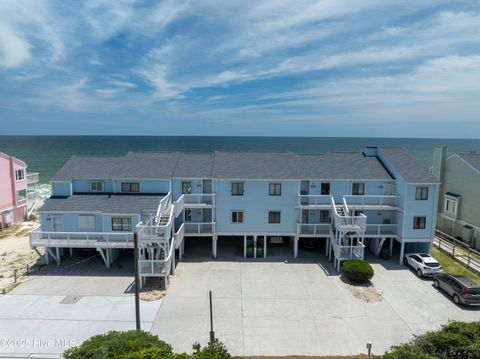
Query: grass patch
{"x": 9, "y": 231}
{"x": 449, "y": 265}
{"x": 22, "y": 233}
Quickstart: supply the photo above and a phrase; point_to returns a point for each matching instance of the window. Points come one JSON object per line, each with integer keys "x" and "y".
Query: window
{"x": 187, "y": 215}
{"x": 325, "y": 189}
{"x": 237, "y": 189}
{"x": 451, "y": 206}
{"x": 96, "y": 186}
{"x": 274, "y": 217}
{"x": 324, "y": 216}
{"x": 358, "y": 189}
{"x": 19, "y": 175}
{"x": 21, "y": 195}
{"x": 122, "y": 224}
{"x": 130, "y": 187}
{"x": 86, "y": 222}
{"x": 419, "y": 222}
{"x": 237, "y": 216}
{"x": 275, "y": 189}
{"x": 421, "y": 194}
{"x": 186, "y": 187}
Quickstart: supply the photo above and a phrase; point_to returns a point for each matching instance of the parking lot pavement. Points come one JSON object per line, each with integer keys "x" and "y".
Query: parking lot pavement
{"x": 62, "y": 306}
{"x": 286, "y": 308}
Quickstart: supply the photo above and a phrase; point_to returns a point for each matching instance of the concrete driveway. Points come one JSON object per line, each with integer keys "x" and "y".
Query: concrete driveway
{"x": 285, "y": 308}
{"x": 58, "y": 307}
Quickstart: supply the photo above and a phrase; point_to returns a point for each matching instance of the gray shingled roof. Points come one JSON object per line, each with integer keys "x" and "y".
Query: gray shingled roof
{"x": 411, "y": 169}
{"x": 473, "y": 159}
{"x": 194, "y": 165}
{"x": 105, "y": 203}
{"x": 225, "y": 165}
{"x": 135, "y": 165}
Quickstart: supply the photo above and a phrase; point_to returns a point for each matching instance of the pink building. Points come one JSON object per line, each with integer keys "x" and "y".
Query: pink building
{"x": 16, "y": 198}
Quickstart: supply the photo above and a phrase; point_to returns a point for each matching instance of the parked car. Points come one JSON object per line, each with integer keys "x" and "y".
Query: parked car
{"x": 423, "y": 264}
{"x": 462, "y": 289}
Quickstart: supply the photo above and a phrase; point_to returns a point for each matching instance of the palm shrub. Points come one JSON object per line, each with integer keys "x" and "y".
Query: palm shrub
{"x": 357, "y": 270}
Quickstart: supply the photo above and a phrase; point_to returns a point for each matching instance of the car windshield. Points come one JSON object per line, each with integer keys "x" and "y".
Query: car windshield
{"x": 432, "y": 264}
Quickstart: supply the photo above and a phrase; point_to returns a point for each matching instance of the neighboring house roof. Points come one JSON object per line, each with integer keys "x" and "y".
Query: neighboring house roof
{"x": 15, "y": 159}
{"x": 194, "y": 165}
{"x": 225, "y": 165}
{"x": 105, "y": 203}
{"x": 473, "y": 159}
{"x": 135, "y": 165}
{"x": 451, "y": 194}
{"x": 411, "y": 169}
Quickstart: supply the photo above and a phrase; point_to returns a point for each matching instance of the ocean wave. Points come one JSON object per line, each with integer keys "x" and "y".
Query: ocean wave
{"x": 44, "y": 190}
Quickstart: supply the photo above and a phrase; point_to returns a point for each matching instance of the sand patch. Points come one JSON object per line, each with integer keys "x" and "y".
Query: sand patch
{"x": 365, "y": 291}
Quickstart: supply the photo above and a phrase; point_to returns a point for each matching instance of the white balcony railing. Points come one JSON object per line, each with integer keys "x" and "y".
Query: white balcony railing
{"x": 157, "y": 267}
{"x": 32, "y": 178}
{"x": 314, "y": 200}
{"x": 351, "y": 252}
{"x": 207, "y": 199}
{"x": 82, "y": 239}
{"x": 313, "y": 229}
{"x": 361, "y": 201}
{"x": 381, "y": 229}
{"x": 199, "y": 228}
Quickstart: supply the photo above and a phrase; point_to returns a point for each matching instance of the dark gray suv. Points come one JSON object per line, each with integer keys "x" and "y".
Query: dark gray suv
{"x": 462, "y": 289}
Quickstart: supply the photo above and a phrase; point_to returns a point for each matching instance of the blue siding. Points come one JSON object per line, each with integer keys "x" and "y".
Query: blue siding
{"x": 61, "y": 189}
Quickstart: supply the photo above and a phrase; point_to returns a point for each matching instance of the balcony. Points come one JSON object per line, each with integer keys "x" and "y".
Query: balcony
{"x": 313, "y": 229}
{"x": 371, "y": 202}
{"x": 199, "y": 229}
{"x": 39, "y": 238}
{"x": 199, "y": 200}
{"x": 381, "y": 230}
{"x": 32, "y": 178}
{"x": 314, "y": 201}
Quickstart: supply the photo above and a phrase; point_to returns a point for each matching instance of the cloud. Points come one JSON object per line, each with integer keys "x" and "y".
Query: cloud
{"x": 14, "y": 50}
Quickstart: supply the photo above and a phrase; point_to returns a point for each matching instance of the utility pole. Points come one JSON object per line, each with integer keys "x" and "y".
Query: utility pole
{"x": 212, "y": 333}
{"x": 137, "y": 284}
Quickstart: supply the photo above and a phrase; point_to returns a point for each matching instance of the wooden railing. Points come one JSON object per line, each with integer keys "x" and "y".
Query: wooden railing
{"x": 380, "y": 200}
{"x": 458, "y": 250}
{"x": 379, "y": 229}
{"x": 69, "y": 239}
{"x": 314, "y": 200}
{"x": 32, "y": 178}
{"x": 313, "y": 229}
{"x": 199, "y": 228}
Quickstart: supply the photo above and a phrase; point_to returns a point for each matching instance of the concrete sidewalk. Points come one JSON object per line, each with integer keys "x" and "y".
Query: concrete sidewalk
{"x": 50, "y": 324}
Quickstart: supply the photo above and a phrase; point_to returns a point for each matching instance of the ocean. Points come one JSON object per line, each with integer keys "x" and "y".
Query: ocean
{"x": 46, "y": 154}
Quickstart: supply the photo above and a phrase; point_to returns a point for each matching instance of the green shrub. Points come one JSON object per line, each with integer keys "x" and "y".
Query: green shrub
{"x": 214, "y": 350}
{"x": 357, "y": 270}
{"x": 129, "y": 344}
{"x": 385, "y": 253}
{"x": 456, "y": 340}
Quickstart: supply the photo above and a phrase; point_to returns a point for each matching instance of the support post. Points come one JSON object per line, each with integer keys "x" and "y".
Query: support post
{"x": 212, "y": 333}
{"x": 255, "y": 246}
{"x": 57, "y": 251}
{"x": 71, "y": 252}
{"x": 137, "y": 280}
{"x": 402, "y": 250}
{"x": 265, "y": 246}
{"x": 327, "y": 244}
{"x": 391, "y": 247}
{"x": 295, "y": 247}
{"x": 214, "y": 246}
{"x": 244, "y": 246}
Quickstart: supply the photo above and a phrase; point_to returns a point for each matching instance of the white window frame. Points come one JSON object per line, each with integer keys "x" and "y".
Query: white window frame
{"x": 24, "y": 198}
{"x": 421, "y": 193}
{"x": 86, "y": 221}
{"x": 274, "y": 211}
{"x": 130, "y": 187}
{"x": 454, "y": 202}
{"x": 186, "y": 187}
{"x": 274, "y": 189}
{"x": 424, "y": 224}
{"x": 359, "y": 184}
{"x": 95, "y": 183}
{"x": 125, "y": 227}
{"x": 21, "y": 177}
{"x": 237, "y": 185}
{"x": 237, "y": 212}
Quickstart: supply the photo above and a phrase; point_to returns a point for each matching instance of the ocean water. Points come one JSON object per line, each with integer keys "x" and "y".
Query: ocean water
{"x": 46, "y": 154}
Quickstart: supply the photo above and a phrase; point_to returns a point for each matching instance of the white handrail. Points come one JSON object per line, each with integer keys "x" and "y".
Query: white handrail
{"x": 158, "y": 263}
{"x": 313, "y": 200}
{"x": 372, "y": 200}
{"x": 345, "y": 207}
{"x": 37, "y": 236}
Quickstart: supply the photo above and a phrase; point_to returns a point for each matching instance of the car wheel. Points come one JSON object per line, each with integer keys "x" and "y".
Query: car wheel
{"x": 405, "y": 261}
{"x": 436, "y": 284}
{"x": 419, "y": 272}
{"x": 456, "y": 299}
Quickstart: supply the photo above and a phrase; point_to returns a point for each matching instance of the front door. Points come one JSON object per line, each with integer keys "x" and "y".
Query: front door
{"x": 57, "y": 223}
{"x": 207, "y": 186}
{"x": 304, "y": 188}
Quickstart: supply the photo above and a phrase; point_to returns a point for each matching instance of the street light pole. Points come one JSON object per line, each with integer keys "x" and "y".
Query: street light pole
{"x": 137, "y": 284}
{"x": 212, "y": 333}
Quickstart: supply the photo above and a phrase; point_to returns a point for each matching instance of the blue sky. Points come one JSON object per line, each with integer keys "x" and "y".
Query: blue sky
{"x": 203, "y": 67}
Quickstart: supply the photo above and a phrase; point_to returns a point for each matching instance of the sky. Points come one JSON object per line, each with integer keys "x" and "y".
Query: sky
{"x": 277, "y": 67}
